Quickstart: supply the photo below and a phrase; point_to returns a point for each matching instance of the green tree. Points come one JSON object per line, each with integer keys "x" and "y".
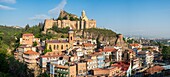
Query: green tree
{"x": 166, "y": 52}
{"x": 47, "y": 50}
{"x": 55, "y": 27}
{"x": 34, "y": 44}
{"x": 98, "y": 42}
{"x": 62, "y": 36}
{"x": 27, "y": 27}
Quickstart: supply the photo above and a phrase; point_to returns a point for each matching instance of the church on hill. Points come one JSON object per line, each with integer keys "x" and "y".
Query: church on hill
{"x": 70, "y": 20}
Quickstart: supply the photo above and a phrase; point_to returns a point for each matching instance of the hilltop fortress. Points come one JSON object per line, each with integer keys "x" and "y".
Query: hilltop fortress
{"x": 70, "y": 20}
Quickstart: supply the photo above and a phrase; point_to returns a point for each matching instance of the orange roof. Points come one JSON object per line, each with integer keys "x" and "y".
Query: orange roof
{"x": 95, "y": 54}
{"x": 154, "y": 69}
{"x": 124, "y": 66}
{"x": 99, "y": 69}
{"x": 135, "y": 44}
{"x": 51, "y": 56}
{"x": 89, "y": 60}
{"x": 61, "y": 66}
{"x": 51, "y": 53}
{"x": 87, "y": 44}
{"x": 28, "y": 34}
{"x": 108, "y": 50}
{"x": 30, "y": 52}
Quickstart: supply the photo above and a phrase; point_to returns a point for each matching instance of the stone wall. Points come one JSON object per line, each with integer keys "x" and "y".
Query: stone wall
{"x": 83, "y": 23}
{"x": 76, "y": 25}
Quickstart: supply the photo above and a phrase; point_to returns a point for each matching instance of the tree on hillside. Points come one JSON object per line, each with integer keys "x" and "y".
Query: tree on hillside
{"x": 55, "y": 27}
{"x": 34, "y": 44}
{"x": 166, "y": 52}
{"x": 98, "y": 42}
{"x": 27, "y": 27}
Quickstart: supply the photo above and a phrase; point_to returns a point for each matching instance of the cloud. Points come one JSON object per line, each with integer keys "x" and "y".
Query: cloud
{"x": 2, "y": 7}
{"x": 39, "y": 17}
{"x": 55, "y": 11}
{"x": 8, "y": 1}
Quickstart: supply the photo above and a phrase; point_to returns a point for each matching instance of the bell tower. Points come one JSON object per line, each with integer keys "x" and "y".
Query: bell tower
{"x": 70, "y": 36}
{"x": 83, "y": 16}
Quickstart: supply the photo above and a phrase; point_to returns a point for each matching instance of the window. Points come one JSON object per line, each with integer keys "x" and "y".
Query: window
{"x": 61, "y": 46}
{"x": 80, "y": 71}
{"x": 50, "y": 47}
{"x": 71, "y": 38}
{"x": 54, "y": 47}
{"x": 67, "y": 46}
{"x": 57, "y": 46}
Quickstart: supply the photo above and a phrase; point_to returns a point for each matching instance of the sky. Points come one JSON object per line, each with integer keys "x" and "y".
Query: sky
{"x": 149, "y": 18}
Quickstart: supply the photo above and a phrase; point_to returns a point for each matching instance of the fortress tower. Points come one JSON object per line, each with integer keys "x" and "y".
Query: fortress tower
{"x": 83, "y": 16}
{"x": 70, "y": 20}
{"x": 71, "y": 37}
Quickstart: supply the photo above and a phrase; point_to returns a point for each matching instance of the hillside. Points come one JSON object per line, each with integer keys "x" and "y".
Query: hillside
{"x": 67, "y": 16}
{"x": 106, "y": 35}
{"x": 10, "y": 67}
{"x": 8, "y": 36}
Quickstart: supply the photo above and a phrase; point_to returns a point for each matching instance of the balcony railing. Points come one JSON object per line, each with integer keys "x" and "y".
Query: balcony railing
{"x": 61, "y": 72}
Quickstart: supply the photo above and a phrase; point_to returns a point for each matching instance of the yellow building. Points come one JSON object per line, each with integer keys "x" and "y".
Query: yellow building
{"x": 61, "y": 45}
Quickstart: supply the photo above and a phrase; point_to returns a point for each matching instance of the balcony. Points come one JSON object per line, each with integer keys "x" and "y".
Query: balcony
{"x": 61, "y": 72}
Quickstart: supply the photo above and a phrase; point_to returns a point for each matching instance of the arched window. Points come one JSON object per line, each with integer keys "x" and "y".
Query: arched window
{"x": 54, "y": 47}
{"x": 57, "y": 46}
{"x": 61, "y": 46}
{"x": 50, "y": 47}
{"x": 66, "y": 46}
{"x": 71, "y": 38}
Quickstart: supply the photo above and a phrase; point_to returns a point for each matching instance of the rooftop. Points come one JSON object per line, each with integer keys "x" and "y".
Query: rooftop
{"x": 30, "y": 52}
{"x": 56, "y": 41}
{"x": 135, "y": 44}
{"x": 108, "y": 50}
{"x": 124, "y": 66}
{"x": 28, "y": 34}
{"x": 88, "y": 44}
{"x": 154, "y": 69}
{"x": 61, "y": 66}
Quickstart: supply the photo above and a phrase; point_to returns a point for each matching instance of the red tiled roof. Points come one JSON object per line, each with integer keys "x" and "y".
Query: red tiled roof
{"x": 135, "y": 44}
{"x": 30, "y": 52}
{"x": 89, "y": 60}
{"x": 124, "y": 66}
{"x": 28, "y": 34}
{"x": 88, "y": 44}
{"x": 108, "y": 50}
{"x": 61, "y": 66}
{"x": 50, "y": 54}
{"x": 95, "y": 54}
{"x": 47, "y": 56}
{"x": 154, "y": 69}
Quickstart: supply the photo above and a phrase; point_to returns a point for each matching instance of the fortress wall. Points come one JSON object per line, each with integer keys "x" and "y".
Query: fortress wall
{"x": 73, "y": 24}
{"x": 59, "y": 22}
{"x": 91, "y": 24}
{"x": 49, "y": 24}
{"x": 65, "y": 23}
